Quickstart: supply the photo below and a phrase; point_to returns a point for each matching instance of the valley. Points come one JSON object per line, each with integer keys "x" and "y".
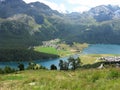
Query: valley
{"x": 32, "y": 25}
{"x": 82, "y": 78}
{"x": 44, "y": 49}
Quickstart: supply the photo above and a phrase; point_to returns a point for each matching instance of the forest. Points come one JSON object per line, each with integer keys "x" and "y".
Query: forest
{"x": 23, "y": 55}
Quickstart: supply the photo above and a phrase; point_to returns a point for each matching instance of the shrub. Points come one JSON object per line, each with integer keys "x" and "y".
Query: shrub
{"x": 8, "y": 69}
{"x": 113, "y": 74}
{"x": 35, "y": 66}
{"x": 53, "y": 67}
{"x": 31, "y": 65}
{"x": 1, "y": 71}
{"x": 42, "y": 67}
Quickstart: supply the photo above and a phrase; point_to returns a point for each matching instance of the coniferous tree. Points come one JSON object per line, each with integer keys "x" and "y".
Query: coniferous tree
{"x": 61, "y": 64}
{"x": 21, "y": 66}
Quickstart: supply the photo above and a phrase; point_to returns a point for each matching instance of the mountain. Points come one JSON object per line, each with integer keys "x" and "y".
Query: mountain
{"x": 24, "y": 25}
{"x": 98, "y": 25}
{"x": 104, "y": 13}
{"x": 11, "y": 7}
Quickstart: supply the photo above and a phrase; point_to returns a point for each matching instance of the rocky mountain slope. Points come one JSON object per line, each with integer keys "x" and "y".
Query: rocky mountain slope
{"x": 24, "y": 25}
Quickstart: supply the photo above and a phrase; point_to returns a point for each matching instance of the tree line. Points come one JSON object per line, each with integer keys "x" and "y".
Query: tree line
{"x": 70, "y": 64}
{"x": 23, "y": 55}
{"x": 21, "y": 67}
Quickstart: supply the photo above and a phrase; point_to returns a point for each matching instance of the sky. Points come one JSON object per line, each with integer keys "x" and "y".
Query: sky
{"x": 75, "y": 5}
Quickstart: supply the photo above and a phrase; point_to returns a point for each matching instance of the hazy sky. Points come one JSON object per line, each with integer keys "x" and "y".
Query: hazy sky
{"x": 75, "y": 5}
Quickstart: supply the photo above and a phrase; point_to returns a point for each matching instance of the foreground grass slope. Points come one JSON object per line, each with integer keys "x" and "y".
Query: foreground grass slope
{"x": 92, "y": 79}
{"x": 81, "y": 79}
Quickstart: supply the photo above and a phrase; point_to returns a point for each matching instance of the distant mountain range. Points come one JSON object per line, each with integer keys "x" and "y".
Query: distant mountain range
{"x": 24, "y": 25}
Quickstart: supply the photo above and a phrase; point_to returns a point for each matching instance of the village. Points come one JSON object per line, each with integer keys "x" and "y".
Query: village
{"x": 110, "y": 59}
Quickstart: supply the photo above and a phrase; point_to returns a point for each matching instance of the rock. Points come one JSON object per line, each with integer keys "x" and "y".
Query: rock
{"x": 32, "y": 83}
{"x": 101, "y": 66}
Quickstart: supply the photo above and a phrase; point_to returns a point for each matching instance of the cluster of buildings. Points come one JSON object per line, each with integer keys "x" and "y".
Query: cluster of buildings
{"x": 52, "y": 43}
{"x": 110, "y": 59}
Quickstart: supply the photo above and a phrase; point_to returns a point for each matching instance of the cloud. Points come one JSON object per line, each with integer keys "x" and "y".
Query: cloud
{"x": 80, "y": 9}
{"x": 93, "y": 3}
{"x": 55, "y": 6}
{"x": 62, "y": 8}
{"x": 75, "y": 5}
{"x": 84, "y": 5}
{"x": 77, "y": 1}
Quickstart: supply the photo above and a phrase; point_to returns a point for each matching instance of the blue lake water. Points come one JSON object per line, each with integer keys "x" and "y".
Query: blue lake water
{"x": 102, "y": 49}
{"x": 92, "y": 49}
{"x": 46, "y": 63}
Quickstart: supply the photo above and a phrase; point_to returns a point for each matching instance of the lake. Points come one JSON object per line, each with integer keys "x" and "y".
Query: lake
{"x": 46, "y": 62}
{"x": 92, "y": 49}
{"x": 102, "y": 49}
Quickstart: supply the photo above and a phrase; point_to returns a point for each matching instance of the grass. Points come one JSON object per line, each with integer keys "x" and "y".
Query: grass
{"x": 92, "y": 58}
{"x": 49, "y": 50}
{"x": 64, "y": 51}
{"x": 81, "y": 79}
{"x": 88, "y": 59}
{"x": 52, "y": 50}
{"x": 89, "y": 79}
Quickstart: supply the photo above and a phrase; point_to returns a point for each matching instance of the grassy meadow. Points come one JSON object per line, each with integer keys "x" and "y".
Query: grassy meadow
{"x": 64, "y": 49}
{"x": 52, "y": 50}
{"x": 93, "y": 58}
{"x": 49, "y": 50}
{"x": 80, "y": 79}
{"x": 89, "y": 79}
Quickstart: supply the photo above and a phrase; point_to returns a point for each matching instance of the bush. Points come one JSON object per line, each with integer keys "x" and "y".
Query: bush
{"x": 113, "y": 74}
{"x": 34, "y": 66}
{"x": 8, "y": 69}
{"x": 1, "y": 71}
{"x": 31, "y": 65}
{"x": 53, "y": 67}
{"x": 42, "y": 67}
{"x": 37, "y": 66}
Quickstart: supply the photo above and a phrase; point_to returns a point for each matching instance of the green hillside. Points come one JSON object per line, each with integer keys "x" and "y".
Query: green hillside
{"x": 105, "y": 79}
{"x": 21, "y": 54}
{"x": 26, "y": 26}
{"x": 80, "y": 79}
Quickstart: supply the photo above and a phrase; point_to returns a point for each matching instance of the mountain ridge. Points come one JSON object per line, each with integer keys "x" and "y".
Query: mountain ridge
{"x": 27, "y": 25}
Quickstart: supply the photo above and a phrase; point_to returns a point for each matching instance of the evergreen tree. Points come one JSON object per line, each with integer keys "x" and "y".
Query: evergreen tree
{"x": 21, "y": 66}
{"x": 61, "y": 64}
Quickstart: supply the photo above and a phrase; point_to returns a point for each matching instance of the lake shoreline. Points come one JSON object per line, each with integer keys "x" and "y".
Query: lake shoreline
{"x": 91, "y": 49}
